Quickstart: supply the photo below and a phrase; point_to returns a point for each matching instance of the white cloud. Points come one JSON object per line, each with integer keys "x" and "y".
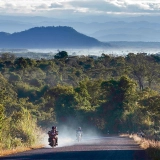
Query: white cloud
{"x": 139, "y": 4}
{"x": 42, "y": 6}
{"x": 56, "y": 5}
{"x": 81, "y": 6}
{"x": 83, "y": 10}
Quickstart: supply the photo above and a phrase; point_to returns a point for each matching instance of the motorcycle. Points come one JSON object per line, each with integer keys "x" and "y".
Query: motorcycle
{"x": 53, "y": 140}
{"x": 79, "y": 136}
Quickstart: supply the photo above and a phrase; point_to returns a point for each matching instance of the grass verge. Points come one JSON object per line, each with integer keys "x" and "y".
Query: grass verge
{"x": 19, "y": 149}
{"x": 152, "y": 147}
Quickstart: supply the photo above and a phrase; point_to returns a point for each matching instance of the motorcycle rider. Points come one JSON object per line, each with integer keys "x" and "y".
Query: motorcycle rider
{"x": 78, "y": 131}
{"x": 53, "y": 134}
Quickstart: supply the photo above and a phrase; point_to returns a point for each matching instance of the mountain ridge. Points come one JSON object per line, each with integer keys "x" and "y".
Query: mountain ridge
{"x": 48, "y": 37}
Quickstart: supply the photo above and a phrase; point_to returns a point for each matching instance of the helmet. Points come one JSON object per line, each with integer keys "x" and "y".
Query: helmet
{"x": 53, "y": 127}
{"x": 79, "y": 128}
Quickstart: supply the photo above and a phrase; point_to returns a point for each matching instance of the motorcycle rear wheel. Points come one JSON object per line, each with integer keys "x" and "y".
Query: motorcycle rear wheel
{"x": 53, "y": 143}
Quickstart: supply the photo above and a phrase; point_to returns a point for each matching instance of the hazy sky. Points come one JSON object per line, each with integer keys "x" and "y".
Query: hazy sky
{"x": 63, "y": 8}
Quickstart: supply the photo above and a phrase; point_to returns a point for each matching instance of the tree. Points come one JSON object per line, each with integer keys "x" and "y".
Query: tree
{"x": 7, "y": 57}
{"x": 14, "y": 77}
{"x": 61, "y": 55}
{"x": 118, "y": 96}
{"x": 151, "y": 108}
{"x": 83, "y": 97}
{"x": 64, "y": 102}
{"x": 2, "y": 116}
{"x": 138, "y": 67}
{"x": 153, "y": 71}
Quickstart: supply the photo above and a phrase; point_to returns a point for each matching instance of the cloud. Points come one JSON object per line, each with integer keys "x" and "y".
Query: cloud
{"x": 117, "y": 6}
{"x": 80, "y": 6}
{"x": 56, "y": 5}
{"x": 136, "y": 5}
{"x": 42, "y": 6}
{"x": 95, "y": 5}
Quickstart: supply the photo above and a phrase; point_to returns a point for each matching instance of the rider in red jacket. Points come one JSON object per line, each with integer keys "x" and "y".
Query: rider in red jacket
{"x": 53, "y": 134}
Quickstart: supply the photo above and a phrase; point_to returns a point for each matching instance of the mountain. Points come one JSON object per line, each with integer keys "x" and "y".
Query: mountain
{"x": 48, "y": 37}
{"x": 135, "y": 31}
{"x": 14, "y": 26}
{"x": 152, "y": 18}
{"x": 152, "y": 47}
{"x": 102, "y": 28}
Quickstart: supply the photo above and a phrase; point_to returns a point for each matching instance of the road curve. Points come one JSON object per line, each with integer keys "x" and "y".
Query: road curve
{"x": 98, "y": 148}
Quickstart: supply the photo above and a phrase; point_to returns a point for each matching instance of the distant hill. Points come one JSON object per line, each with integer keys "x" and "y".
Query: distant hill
{"x": 129, "y": 34}
{"x": 135, "y": 45}
{"x": 48, "y": 37}
{"x": 102, "y": 28}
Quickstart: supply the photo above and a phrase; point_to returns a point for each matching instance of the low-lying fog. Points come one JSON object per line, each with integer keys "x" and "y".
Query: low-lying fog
{"x": 98, "y": 52}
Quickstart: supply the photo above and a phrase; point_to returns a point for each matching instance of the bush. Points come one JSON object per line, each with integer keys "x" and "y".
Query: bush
{"x": 35, "y": 82}
{"x": 16, "y": 142}
{"x": 14, "y": 77}
{"x": 19, "y": 130}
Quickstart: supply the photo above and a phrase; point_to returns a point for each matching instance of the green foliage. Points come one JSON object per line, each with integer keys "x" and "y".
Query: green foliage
{"x": 118, "y": 92}
{"x": 64, "y": 100}
{"x": 61, "y": 55}
{"x": 2, "y": 116}
{"x": 14, "y": 77}
{"x": 35, "y": 82}
{"x": 83, "y": 96}
{"x": 82, "y": 89}
{"x": 19, "y": 130}
{"x": 119, "y": 96}
{"x": 88, "y": 94}
{"x": 7, "y": 57}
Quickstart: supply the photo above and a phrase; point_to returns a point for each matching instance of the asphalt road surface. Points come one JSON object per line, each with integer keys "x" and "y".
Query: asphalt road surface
{"x": 98, "y": 148}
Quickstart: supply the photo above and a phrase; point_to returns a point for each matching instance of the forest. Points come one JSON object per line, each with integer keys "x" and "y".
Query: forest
{"x": 112, "y": 93}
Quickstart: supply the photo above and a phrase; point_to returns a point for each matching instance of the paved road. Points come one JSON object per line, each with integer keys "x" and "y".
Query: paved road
{"x": 102, "y": 148}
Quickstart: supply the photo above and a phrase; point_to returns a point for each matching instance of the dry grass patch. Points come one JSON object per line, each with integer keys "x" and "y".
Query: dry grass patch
{"x": 141, "y": 141}
{"x": 19, "y": 149}
{"x": 124, "y": 135}
{"x": 152, "y": 147}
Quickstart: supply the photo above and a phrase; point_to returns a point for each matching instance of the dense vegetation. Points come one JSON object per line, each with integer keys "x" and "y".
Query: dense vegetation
{"x": 115, "y": 93}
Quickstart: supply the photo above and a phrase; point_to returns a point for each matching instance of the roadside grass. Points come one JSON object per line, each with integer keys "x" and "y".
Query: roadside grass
{"x": 20, "y": 133}
{"x": 19, "y": 149}
{"x": 152, "y": 147}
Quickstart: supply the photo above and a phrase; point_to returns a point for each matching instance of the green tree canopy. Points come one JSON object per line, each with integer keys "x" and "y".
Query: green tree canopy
{"x": 61, "y": 55}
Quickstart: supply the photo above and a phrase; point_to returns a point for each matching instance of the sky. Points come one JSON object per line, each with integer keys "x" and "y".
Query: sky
{"x": 72, "y": 8}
